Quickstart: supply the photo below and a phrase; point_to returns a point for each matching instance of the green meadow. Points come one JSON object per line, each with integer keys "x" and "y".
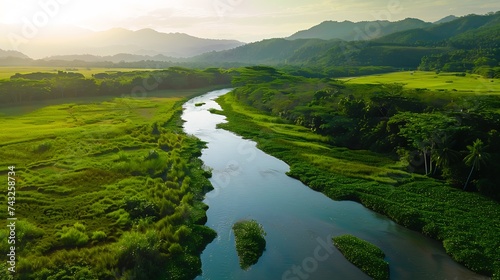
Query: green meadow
{"x": 314, "y": 147}
{"x": 434, "y": 81}
{"x": 7, "y": 71}
{"x": 106, "y": 188}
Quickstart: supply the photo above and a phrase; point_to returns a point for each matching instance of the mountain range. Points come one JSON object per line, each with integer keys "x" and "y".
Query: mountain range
{"x": 400, "y": 49}
{"x": 398, "y": 44}
{"x": 118, "y": 40}
{"x": 355, "y": 31}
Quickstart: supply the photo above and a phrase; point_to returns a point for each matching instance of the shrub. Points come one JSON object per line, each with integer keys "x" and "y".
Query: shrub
{"x": 99, "y": 235}
{"x": 139, "y": 254}
{"x": 42, "y": 148}
{"x": 26, "y": 231}
{"x": 250, "y": 242}
{"x": 74, "y": 236}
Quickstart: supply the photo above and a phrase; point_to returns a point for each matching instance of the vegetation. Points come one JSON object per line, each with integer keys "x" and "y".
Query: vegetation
{"x": 443, "y": 82}
{"x": 107, "y": 189}
{"x": 466, "y": 44}
{"x": 397, "y": 151}
{"x": 41, "y": 86}
{"x": 368, "y": 257}
{"x": 8, "y": 71}
{"x": 250, "y": 242}
{"x": 428, "y": 130}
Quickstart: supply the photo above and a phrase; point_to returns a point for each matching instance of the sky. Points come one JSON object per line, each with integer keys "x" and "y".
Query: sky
{"x": 244, "y": 20}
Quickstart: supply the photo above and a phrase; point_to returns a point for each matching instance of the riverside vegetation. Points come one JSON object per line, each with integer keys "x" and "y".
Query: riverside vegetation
{"x": 368, "y": 257}
{"x": 250, "y": 242}
{"x": 108, "y": 188}
{"x": 406, "y": 153}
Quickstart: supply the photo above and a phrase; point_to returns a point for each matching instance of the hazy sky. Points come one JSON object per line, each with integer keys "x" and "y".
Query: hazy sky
{"x": 244, "y": 20}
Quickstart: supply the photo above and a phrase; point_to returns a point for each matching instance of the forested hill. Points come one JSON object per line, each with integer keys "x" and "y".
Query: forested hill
{"x": 355, "y": 31}
{"x": 468, "y": 43}
{"x": 440, "y": 33}
{"x": 270, "y": 51}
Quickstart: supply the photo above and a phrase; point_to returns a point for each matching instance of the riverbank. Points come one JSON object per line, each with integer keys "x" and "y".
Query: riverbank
{"x": 466, "y": 223}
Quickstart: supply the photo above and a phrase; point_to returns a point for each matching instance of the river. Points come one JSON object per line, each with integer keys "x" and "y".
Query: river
{"x": 299, "y": 222}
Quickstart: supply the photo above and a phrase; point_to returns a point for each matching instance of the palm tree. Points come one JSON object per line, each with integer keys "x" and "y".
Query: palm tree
{"x": 443, "y": 155}
{"x": 476, "y": 157}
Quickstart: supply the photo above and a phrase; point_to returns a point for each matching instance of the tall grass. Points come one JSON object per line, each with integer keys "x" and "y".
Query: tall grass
{"x": 99, "y": 197}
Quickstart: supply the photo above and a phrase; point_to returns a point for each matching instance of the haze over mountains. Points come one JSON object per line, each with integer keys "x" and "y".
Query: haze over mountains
{"x": 115, "y": 41}
{"x": 400, "y": 49}
{"x": 330, "y": 42}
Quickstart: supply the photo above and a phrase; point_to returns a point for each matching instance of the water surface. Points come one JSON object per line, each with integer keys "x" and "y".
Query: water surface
{"x": 299, "y": 222}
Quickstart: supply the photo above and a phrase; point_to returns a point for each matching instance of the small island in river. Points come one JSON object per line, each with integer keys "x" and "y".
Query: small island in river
{"x": 250, "y": 242}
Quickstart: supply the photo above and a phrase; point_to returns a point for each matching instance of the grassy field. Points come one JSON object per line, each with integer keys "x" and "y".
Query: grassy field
{"x": 431, "y": 80}
{"x": 353, "y": 163}
{"x": 7, "y": 71}
{"x": 468, "y": 224}
{"x": 10, "y": 111}
{"x": 105, "y": 189}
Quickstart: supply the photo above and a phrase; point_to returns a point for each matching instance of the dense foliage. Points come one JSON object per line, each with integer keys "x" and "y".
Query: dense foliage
{"x": 250, "y": 242}
{"x": 429, "y": 131}
{"x": 394, "y": 182}
{"x": 34, "y": 87}
{"x": 368, "y": 257}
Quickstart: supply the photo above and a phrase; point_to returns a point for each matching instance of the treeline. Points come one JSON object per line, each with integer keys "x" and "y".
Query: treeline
{"x": 482, "y": 62}
{"x": 453, "y": 137}
{"x": 32, "y": 87}
{"x": 336, "y": 71}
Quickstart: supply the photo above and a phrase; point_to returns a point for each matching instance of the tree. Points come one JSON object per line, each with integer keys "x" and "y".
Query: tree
{"x": 476, "y": 157}
{"x": 444, "y": 155}
{"x": 423, "y": 130}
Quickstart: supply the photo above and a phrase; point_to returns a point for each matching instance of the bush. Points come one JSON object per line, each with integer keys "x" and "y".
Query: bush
{"x": 26, "y": 231}
{"x": 42, "y": 148}
{"x": 250, "y": 242}
{"x": 140, "y": 254}
{"x": 99, "y": 235}
{"x": 74, "y": 236}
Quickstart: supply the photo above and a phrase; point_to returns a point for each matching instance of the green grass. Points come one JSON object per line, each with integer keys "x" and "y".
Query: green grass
{"x": 7, "y": 71}
{"x": 368, "y": 257}
{"x": 313, "y": 147}
{"x": 250, "y": 242}
{"x": 431, "y": 80}
{"x": 106, "y": 189}
{"x": 22, "y": 110}
{"x": 468, "y": 224}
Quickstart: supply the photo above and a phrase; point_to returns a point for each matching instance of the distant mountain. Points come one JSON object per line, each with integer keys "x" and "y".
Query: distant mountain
{"x": 402, "y": 49}
{"x": 355, "y": 31}
{"x": 151, "y": 42}
{"x": 270, "y": 51}
{"x": 118, "y": 40}
{"x": 15, "y": 54}
{"x": 446, "y": 19}
{"x": 121, "y": 57}
{"x": 440, "y": 33}
{"x": 14, "y": 58}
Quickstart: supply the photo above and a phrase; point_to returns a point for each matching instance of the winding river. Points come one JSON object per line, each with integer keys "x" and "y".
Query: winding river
{"x": 250, "y": 184}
